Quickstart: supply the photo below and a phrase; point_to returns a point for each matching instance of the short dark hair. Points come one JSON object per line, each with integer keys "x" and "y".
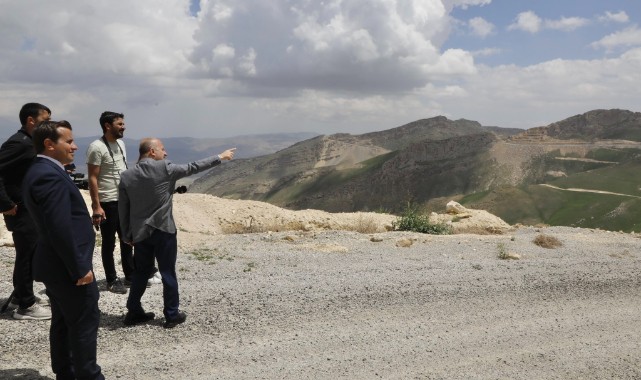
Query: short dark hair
{"x": 47, "y": 130}
{"x": 33, "y": 110}
{"x": 109, "y": 117}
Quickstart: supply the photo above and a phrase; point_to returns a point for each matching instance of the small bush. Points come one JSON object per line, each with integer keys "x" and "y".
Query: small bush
{"x": 503, "y": 255}
{"x": 547, "y": 241}
{"x": 411, "y": 220}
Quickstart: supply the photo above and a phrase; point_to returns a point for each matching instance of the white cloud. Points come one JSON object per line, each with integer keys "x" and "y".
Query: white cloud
{"x": 82, "y": 39}
{"x": 481, "y": 27}
{"x": 530, "y": 22}
{"x": 620, "y": 17}
{"x": 567, "y": 23}
{"x": 524, "y": 97}
{"x": 146, "y": 56}
{"x": 526, "y": 21}
{"x": 624, "y": 38}
{"x": 486, "y": 52}
{"x": 352, "y": 45}
{"x": 218, "y": 12}
{"x": 245, "y": 66}
{"x": 453, "y": 61}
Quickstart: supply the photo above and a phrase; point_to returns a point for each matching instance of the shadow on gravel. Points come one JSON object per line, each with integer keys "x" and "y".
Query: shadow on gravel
{"x": 22, "y": 374}
{"x": 115, "y": 322}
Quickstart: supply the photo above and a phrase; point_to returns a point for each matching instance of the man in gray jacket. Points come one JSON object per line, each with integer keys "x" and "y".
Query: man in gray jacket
{"x": 145, "y": 205}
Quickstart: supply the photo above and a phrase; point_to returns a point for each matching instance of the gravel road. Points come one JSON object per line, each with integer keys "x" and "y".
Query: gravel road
{"x": 328, "y": 305}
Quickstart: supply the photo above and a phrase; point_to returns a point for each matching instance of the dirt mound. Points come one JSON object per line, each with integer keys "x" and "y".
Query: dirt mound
{"x": 200, "y": 218}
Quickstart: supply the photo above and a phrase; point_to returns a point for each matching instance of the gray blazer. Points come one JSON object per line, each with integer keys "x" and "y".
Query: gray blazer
{"x": 146, "y": 192}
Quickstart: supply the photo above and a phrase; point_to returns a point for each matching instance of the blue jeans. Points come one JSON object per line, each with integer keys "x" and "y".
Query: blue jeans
{"x": 163, "y": 247}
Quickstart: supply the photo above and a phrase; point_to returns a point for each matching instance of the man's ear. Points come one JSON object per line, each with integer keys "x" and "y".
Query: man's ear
{"x": 48, "y": 143}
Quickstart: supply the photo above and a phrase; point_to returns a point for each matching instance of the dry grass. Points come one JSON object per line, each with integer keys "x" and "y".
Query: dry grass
{"x": 547, "y": 241}
{"x": 252, "y": 227}
{"x": 364, "y": 225}
{"x": 480, "y": 230}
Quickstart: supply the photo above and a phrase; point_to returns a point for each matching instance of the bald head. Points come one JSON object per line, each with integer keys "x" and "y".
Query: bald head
{"x": 151, "y": 147}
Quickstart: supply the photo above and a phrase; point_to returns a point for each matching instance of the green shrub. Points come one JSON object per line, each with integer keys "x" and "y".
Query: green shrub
{"x": 503, "y": 255}
{"x": 411, "y": 220}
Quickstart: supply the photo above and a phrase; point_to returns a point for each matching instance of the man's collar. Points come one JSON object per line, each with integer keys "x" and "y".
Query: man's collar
{"x": 52, "y": 160}
{"x": 24, "y": 130}
{"x": 105, "y": 138}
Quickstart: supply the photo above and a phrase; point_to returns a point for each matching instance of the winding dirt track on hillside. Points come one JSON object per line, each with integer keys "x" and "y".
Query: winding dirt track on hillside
{"x": 588, "y": 191}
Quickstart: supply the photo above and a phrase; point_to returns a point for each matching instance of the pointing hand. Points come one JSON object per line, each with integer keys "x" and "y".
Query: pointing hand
{"x": 227, "y": 155}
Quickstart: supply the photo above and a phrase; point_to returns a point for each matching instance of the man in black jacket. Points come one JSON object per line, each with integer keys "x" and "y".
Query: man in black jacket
{"x": 16, "y": 155}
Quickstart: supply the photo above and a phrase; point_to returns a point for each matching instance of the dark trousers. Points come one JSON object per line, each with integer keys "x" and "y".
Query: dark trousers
{"x": 163, "y": 247}
{"x": 74, "y": 330}
{"x": 25, "y": 236}
{"x": 108, "y": 229}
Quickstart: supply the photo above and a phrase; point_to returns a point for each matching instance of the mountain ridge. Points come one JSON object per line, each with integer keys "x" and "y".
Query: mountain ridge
{"x": 435, "y": 159}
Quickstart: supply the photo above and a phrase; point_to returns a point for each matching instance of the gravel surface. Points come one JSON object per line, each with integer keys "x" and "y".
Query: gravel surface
{"x": 332, "y": 304}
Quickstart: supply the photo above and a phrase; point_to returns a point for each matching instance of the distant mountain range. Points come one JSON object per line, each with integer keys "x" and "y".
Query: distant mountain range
{"x": 430, "y": 161}
{"x": 182, "y": 150}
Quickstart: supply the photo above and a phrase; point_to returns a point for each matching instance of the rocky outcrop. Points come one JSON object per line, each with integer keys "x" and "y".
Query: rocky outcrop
{"x": 468, "y": 221}
{"x": 613, "y": 124}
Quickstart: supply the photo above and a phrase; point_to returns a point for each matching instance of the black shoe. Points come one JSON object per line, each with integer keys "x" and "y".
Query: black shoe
{"x": 134, "y": 319}
{"x": 171, "y": 323}
{"x": 116, "y": 286}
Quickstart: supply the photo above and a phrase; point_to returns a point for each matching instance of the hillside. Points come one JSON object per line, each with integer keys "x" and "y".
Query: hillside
{"x": 611, "y": 124}
{"x": 606, "y": 197}
{"x": 319, "y": 167}
{"x": 430, "y": 161}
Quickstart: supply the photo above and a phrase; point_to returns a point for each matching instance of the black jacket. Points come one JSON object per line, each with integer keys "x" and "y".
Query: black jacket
{"x": 16, "y": 155}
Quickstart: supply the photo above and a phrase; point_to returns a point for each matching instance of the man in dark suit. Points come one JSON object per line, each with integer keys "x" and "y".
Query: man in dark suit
{"x": 146, "y": 219}
{"x": 16, "y": 155}
{"x": 63, "y": 258}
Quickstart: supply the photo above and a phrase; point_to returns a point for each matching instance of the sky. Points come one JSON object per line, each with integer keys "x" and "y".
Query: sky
{"x": 223, "y": 68}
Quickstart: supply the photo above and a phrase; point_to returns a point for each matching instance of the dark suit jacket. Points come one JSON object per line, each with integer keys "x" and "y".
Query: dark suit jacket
{"x": 65, "y": 234}
{"x": 16, "y": 155}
